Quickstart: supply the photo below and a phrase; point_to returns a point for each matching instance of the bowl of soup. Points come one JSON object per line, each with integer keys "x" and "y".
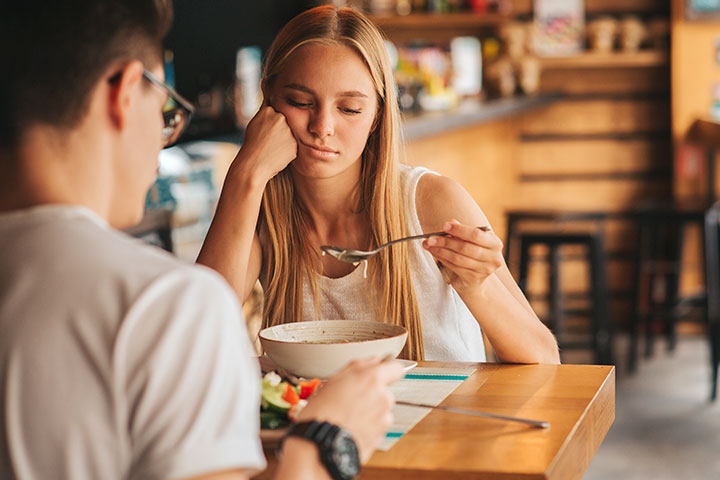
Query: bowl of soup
{"x": 318, "y": 349}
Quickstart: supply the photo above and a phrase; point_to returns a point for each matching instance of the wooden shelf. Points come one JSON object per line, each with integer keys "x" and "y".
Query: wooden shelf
{"x": 640, "y": 59}
{"x": 437, "y": 27}
{"x": 519, "y": 8}
{"x": 443, "y": 26}
{"x": 437, "y": 21}
{"x": 594, "y": 7}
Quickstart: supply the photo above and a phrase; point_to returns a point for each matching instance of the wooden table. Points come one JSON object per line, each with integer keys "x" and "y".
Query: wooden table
{"x": 578, "y": 401}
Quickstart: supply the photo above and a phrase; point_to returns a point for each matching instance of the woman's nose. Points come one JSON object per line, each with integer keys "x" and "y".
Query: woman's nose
{"x": 321, "y": 123}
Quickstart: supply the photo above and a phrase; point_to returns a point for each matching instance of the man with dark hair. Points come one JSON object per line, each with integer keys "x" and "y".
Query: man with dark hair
{"x": 116, "y": 359}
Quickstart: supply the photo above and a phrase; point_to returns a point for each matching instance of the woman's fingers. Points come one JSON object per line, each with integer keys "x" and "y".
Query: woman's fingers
{"x": 479, "y": 235}
{"x": 477, "y": 244}
{"x": 481, "y": 259}
{"x": 469, "y": 253}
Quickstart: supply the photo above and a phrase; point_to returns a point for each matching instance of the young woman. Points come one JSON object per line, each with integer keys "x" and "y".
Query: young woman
{"x": 320, "y": 165}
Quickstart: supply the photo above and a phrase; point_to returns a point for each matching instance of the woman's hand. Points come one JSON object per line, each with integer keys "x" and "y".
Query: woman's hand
{"x": 357, "y": 399}
{"x": 269, "y": 146}
{"x": 468, "y": 255}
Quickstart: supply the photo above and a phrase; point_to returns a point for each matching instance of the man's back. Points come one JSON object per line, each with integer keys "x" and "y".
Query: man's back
{"x": 116, "y": 360}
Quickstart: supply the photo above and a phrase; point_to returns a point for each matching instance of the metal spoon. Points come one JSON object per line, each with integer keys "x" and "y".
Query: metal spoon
{"x": 356, "y": 256}
{"x": 534, "y": 423}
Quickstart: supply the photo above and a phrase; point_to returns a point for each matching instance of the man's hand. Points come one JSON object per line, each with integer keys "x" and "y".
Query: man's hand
{"x": 357, "y": 399}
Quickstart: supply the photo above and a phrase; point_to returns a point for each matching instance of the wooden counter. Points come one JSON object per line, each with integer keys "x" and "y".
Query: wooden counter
{"x": 471, "y": 113}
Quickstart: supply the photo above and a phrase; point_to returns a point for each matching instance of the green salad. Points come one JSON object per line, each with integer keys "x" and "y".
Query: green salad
{"x": 281, "y": 401}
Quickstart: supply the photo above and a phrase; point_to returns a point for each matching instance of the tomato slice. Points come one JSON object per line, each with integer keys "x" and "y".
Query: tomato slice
{"x": 308, "y": 387}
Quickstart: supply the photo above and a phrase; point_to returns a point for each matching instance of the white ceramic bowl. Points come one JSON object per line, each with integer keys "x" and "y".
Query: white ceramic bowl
{"x": 317, "y": 349}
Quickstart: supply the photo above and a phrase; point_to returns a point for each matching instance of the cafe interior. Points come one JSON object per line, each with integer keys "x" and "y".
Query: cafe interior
{"x": 587, "y": 131}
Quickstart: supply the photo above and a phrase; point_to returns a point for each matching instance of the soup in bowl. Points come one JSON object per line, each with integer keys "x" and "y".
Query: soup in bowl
{"x": 318, "y": 349}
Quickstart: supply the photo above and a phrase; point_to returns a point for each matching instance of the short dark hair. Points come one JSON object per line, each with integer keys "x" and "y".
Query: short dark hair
{"x": 52, "y": 54}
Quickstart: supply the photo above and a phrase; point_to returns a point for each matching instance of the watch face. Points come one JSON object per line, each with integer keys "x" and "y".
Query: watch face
{"x": 345, "y": 455}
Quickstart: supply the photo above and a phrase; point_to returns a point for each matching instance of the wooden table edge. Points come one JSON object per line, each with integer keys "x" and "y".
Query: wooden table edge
{"x": 557, "y": 468}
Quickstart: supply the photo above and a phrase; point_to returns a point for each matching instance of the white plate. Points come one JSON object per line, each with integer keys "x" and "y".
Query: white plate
{"x": 407, "y": 364}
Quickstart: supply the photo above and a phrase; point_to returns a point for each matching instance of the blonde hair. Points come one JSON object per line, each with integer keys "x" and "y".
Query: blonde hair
{"x": 287, "y": 258}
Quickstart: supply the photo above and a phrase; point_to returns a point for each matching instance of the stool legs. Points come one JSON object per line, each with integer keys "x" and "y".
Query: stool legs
{"x": 714, "y": 333}
{"x": 601, "y": 325}
{"x": 673, "y": 284}
{"x": 642, "y": 292}
{"x": 601, "y": 339}
{"x": 555, "y": 300}
{"x": 712, "y": 286}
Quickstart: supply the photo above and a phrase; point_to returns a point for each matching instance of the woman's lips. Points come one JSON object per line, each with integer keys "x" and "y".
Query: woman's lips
{"x": 319, "y": 151}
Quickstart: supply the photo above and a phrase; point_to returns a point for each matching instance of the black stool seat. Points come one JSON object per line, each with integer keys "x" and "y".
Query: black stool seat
{"x": 599, "y": 314}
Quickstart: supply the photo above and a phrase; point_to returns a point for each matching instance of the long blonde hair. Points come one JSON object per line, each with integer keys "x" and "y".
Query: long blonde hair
{"x": 287, "y": 258}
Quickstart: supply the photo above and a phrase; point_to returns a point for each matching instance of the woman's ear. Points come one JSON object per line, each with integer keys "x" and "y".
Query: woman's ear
{"x": 123, "y": 91}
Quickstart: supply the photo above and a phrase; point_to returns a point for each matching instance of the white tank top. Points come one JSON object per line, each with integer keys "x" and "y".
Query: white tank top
{"x": 450, "y": 332}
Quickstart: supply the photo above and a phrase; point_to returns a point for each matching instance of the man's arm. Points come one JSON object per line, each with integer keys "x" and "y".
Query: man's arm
{"x": 355, "y": 399}
{"x": 300, "y": 461}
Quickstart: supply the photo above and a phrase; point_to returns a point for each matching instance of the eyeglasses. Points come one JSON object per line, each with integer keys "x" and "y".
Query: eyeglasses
{"x": 177, "y": 112}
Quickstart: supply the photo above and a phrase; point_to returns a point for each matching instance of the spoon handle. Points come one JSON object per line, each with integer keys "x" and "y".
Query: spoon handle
{"x": 424, "y": 235}
{"x": 414, "y": 237}
{"x": 534, "y": 423}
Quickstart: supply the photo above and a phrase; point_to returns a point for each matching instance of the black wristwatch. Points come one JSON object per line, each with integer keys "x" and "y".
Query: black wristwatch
{"x": 337, "y": 449}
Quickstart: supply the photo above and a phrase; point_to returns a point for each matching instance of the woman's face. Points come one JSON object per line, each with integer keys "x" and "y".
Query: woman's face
{"x": 327, "y": 95}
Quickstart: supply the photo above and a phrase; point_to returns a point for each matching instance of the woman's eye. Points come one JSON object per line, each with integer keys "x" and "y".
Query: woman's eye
{"x": 350, "y": 111}
{"x": 293, "y": 103}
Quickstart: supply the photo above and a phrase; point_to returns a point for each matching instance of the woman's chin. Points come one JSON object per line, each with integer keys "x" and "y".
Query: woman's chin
{"x": 312, "y": 167}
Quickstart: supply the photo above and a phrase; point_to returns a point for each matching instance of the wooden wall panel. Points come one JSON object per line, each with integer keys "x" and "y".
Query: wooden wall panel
{"x": 599, "y": 117}
{"x": 695, "y": 70}
{"x": 607, "y": 81}
{"x": 481, "y": 158}
{"x": 610, "y": 195}
{"x": 605, "y": 156}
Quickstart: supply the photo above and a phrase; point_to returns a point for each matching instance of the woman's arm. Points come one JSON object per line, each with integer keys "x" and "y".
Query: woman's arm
{"x": 231, "y": 246}
{"x": 475, "y": 267}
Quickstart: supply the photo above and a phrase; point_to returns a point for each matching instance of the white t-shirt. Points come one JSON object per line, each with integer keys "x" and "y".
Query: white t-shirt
{"x": 117, "y": 360}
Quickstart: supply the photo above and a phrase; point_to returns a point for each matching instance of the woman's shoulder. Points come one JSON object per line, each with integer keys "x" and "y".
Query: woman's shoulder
{"x": 440, "y": 199}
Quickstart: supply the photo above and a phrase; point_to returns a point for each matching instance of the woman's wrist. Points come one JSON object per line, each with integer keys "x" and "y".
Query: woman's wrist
{"x": 475, "y": 292}
{"x": 246, "y": 176}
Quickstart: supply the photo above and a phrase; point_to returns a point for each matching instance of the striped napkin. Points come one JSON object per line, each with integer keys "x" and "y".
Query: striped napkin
{"x": 425, "y": 385}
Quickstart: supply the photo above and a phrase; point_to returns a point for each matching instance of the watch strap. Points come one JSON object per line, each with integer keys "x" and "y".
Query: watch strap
{"x": 322, "y": 434}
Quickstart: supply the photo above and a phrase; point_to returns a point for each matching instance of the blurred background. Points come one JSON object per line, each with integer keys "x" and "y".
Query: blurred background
{"x": 587, "y": 131}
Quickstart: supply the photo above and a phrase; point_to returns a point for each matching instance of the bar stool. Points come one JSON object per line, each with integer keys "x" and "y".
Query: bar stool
{"x": 658, "y": 271}
{"x": 593, "y": 242}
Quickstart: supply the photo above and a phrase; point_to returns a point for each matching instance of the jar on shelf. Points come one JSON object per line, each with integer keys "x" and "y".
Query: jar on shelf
{"x": 601, "y": 34}
{"x": 633, "y": 33}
